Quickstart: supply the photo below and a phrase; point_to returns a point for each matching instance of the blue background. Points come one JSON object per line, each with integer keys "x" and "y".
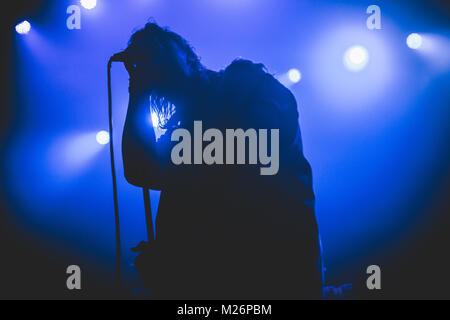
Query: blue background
{"x": 377, "y": 140}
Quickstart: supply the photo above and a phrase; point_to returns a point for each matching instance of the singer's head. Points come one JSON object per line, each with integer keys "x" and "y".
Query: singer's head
{"x": 165, "y": 62}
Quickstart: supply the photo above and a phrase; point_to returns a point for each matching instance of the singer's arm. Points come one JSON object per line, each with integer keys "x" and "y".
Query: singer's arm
{"x": 141, "y": 161}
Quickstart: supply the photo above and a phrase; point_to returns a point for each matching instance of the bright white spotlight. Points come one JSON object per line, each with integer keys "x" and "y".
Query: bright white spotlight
{"x": 155, "y": 119}
{"x": 294, "y": 75}
{"x": 102, "y": 137}
{"x": 89, "y": 4}
{"x": 24, "y": 27}
{"x": 356, "y": 58}
{"x": 414, "y": 41}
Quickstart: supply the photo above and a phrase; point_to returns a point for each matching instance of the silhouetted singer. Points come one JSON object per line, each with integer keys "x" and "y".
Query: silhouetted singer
{"x": 223, "y": 231}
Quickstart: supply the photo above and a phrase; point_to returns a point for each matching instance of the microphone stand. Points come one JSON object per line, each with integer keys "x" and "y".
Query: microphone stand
{"x": 147, "y": 205}
{"x": 114, "y": 183}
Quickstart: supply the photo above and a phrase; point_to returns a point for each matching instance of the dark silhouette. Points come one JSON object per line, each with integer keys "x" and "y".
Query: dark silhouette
{"x": 222, "y": 231}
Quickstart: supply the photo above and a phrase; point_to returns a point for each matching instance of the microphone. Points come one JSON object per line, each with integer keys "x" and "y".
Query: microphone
{"x": 119, "y": 57}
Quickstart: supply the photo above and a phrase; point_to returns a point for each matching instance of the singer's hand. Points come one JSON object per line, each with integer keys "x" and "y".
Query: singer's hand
{"x": 130, "y": 68}
{"x": 138, "y": 79}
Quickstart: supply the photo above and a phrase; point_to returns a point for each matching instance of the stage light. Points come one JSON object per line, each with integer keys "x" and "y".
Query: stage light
{"x": 155, "y": 119}
{"x": 414, "y": 41}
{"x": 89, "y": 4}
{"x": 356, "y": 58}
{"x": 102, "y": 137}
{"x": 294, "y": 75}
{"x": 23, "y": 28}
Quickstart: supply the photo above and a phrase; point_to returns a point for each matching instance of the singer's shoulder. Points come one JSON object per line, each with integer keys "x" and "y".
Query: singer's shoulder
{"x": 247, "y": 80}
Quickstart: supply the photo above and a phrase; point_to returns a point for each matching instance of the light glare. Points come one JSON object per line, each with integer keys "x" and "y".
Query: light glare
{"x": 155, "y": 119}
{"x": 356, "y": 58}
{"x": 89, "y": 4}
{"x": 23, "y": 28}
{"x": 294, "y": 75}
{"x": 414, "y": 41}
{"x": 102, "y": 137}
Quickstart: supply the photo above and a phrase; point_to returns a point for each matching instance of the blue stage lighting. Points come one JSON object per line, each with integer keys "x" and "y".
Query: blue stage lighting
{"x": 414, "y": 41}
{"x": 356, "y": 58}
{"x": 23, "y": 28}
{"x": 89, "y": 4}
{"x": 294, "y": 75}
{"x": 102, "y": 137}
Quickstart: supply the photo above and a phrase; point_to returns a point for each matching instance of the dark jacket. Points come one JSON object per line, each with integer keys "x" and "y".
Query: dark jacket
{"x": 226, "y": 231}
